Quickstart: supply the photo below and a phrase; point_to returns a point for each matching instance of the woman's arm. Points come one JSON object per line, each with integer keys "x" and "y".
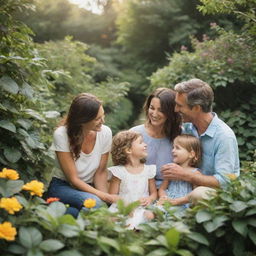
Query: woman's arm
{"x": 68, "y": 167}
{"x": 101, "y": 175}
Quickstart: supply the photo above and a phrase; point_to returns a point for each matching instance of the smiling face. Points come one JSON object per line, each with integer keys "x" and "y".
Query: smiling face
{"x": 182, "y": 107}
{"x": 138, "y": 149}
{"x": 97, "y": 122}
{"x": 181, "y": 155}
{"x": 155, "y": 115}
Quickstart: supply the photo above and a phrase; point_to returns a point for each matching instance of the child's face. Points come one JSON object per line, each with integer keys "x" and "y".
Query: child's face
{"x": 139, "y": 148}
{"x": 180, "y": 154}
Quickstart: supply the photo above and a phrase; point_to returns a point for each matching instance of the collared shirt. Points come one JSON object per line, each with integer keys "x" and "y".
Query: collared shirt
{"x": 220, "y": 150}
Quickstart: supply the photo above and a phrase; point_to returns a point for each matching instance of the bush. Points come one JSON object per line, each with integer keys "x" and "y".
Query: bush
{"x": 224, "y": 225}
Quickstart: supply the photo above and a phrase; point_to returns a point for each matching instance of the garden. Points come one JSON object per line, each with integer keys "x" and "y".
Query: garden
{"x": 51, "y": 50}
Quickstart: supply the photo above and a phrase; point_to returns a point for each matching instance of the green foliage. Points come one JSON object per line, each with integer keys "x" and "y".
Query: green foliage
{"x": 54, "y": 20}
{"x": 21, "y": 126}
{"x": 228, "y": 65}
{"x": 164, "y": 27}
{"x": 227, "y": 221}
{"x": 224, "y": 225}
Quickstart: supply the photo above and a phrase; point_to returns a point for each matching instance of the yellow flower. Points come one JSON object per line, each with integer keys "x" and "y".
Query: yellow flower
{"x": 7, "y": 231}
{"x": 231, "y": 176}
{"x": 9, "y": 174}
{"x": 89, "y": 203}
{"x": 11, "y": 205}
{"x": 35, "y": 187}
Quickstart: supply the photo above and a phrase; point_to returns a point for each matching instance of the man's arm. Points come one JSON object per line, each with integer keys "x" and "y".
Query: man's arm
{"x": 175, "y": 172}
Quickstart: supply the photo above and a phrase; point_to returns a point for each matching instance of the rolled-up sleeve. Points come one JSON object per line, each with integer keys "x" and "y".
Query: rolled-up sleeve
{"x": 226, "y": 160}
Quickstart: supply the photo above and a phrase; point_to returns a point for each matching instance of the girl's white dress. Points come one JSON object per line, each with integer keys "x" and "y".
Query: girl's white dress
{"x": 132, "y": 188}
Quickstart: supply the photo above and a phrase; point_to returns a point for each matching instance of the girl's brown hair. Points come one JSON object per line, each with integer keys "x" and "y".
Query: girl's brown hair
{"x": 121, "y": 142}
{"x": 190, "y": 143}
{"x": 172, "y": 126}
{"x": 84, "y": 108}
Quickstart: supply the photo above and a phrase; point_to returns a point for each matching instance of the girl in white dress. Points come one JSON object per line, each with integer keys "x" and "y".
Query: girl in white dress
{"x": 132, "y": 180}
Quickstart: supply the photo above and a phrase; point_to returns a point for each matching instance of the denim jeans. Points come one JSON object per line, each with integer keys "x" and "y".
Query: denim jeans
{"x": 71, "y": 196}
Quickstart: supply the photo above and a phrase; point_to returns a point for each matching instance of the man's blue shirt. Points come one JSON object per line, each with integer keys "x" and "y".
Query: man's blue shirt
{"x": 220, "y": 150}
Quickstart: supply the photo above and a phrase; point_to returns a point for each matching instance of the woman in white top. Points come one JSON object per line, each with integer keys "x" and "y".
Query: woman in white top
{"x": 82, "y": 146}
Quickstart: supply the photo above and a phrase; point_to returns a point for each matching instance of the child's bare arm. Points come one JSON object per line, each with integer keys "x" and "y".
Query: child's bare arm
{"x": 152, "y": 193}
{"x": 163, "y": 187}
{"x": 114, "y": 187}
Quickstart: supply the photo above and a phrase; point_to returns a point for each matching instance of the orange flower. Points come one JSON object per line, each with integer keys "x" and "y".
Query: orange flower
{"x": 7, "y": 231}
{"x": 89, "y": 203}
{"x": 35, "y": 187}
{"x": 52, "y": 199}
{"x": 9, "y": 174}
{"x": 11, "y": 205}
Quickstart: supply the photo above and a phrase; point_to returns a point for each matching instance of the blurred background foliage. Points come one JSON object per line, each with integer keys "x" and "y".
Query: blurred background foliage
{"x": 52, "y": 50}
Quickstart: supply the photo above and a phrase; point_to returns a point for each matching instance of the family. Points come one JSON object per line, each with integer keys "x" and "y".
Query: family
{"x": 180, "y": 154}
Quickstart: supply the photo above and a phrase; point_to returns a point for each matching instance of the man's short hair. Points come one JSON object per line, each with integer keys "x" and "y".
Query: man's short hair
{"x": 198, "y": 93}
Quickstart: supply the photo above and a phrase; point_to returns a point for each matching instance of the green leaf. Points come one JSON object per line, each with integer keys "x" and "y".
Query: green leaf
{"x": 34, "y": 252}
{"x": 203, "y": 216}
{"x": 173, "y": 237}
{"x": 26, "y": 124}
{"x": 8, "y": 125}
{"x": 109, "y": 242}
{"x": 51, "y": 245}
{"x": 135, "y": 249}
{"x": 9, "y": 85}
{"x": 198, "y": 238}
{"x": 250, "y": 212}
{"x": 252, "y": 235}
{"x": 159, "y": 252}
{"x": 27, "y": 90}
{"x": 56, "y": 209}
{"x": 30, "y": 237}
{"x": 69, "y": 230}
{"x": 10, "y": 187}
{"x": 23, "y": 201}
{"x": 12, "y": 154}
{"x": 183, "y": 252}
{"x": 35, "y": 115}
{"x": 70, "y": 253}
{"x": 16, "y": 249}
{"x": 240, "y": 226}
{"x": 238, "y": 206}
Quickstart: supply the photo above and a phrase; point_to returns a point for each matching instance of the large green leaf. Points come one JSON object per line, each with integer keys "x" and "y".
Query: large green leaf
{"x": 16, "y": 249}
{"x": 51, "y": 245}
{"x": 159, "y": 252}
{"x": 203, "y": 216}
{"x": 240, "y": 226}
{"x": 172, "y": 237}
{"x": 30, "y": 237}
{"x": 8, "y": 125}
{"x": 108, "y": 242}
{"x": 10, "y": 187}
{"x": 198, "y": 238}
{"x": 27, "y": 90}
{"x": 238, "y": 206}
{"x": 70, "y": 253}
{"x": 9, "y": 85}
{"x": 12, "y": 154}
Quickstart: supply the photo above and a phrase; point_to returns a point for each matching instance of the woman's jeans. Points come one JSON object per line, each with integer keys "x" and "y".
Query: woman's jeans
{"x": 71, "y": 196}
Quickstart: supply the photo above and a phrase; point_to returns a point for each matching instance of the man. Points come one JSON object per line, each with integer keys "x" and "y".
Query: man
{"x": 220, "y": 159}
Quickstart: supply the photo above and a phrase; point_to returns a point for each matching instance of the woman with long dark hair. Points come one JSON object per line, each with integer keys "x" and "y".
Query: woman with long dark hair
{"x": 162, "y": 125}
{"x": 82, "y": 144}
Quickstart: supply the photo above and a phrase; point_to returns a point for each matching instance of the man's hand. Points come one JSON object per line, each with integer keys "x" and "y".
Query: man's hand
{"x": 175, "y": 172}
